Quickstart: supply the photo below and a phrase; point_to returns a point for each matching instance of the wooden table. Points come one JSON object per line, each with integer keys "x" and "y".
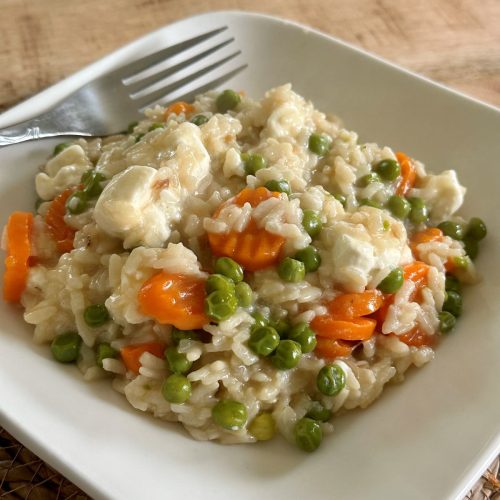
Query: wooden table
{"x": 456, "y": 42}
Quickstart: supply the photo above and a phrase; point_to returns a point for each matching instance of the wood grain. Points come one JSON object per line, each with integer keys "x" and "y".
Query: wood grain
{"x": 456, "y": 42}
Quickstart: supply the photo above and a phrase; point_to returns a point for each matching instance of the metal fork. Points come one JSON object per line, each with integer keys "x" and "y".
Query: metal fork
{"x": 105, "y": 105}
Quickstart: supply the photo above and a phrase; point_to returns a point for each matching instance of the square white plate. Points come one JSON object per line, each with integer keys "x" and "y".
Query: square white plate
{"x": 429, "y": 438}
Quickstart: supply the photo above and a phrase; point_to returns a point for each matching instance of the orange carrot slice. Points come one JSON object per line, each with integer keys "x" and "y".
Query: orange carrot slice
{"x": 408, "y": 174}
{"x": 177, "y": 108}
{"x": 254, "y": 248}
{"x": 338, "y": 329}
{"x": 415, "y": 271}
{"x": 131, "y": 354}
{"x": 57, "y": 227}
{"x": 19, "y": 228}
{"x": 415, "y": 337}
{"x": 174, "y": 299}
{"x": 354, "y": 305}
{"x": 331, "y": 349}
{"x": 425, "y": 236}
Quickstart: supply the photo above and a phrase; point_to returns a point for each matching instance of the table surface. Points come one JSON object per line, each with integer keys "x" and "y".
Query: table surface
{"x": 455, "y": 42}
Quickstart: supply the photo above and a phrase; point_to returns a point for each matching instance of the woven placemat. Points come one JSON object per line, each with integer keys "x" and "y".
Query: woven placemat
{"x": 24, "y": 476}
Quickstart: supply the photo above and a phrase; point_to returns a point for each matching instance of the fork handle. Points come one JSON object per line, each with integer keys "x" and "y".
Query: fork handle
{"x": 36, "y": 128}
{"x": 59, "y": 120}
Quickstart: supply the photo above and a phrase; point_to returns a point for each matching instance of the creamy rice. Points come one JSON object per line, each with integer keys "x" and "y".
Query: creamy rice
{"x": 166, "y": 187}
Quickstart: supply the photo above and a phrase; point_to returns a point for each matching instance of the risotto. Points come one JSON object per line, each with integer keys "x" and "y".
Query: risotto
{"x": 245, "y": 267}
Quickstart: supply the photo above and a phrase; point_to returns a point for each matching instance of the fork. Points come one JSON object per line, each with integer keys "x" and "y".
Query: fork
{"x": 105, "y": 105}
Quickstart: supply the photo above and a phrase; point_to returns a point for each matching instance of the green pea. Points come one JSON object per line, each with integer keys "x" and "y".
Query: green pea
{"x": 260, "y": 319}
{"x": 61, "y": 147}
{"x": 227, "y": 100}
{"x": 138, "y": 137}
{"x": 104, "y": 350}
{"x": 219, "y": 282}
{"x": 308, "y": 434}
{"x": 66, "y": 347}
{"x": 199, "y": 120}
{"x": 76, "y": 203}
{"x": 461, "y": 262}
{"x": 176, "y": 389}
{"x": 305, "y": 337}
{"x": 446, "y": 321}
{"x": 453, "y": 303}
{"x": 96, "y": 315}
{"x": 318, "y": 412}
{"x": 155, "y": 126}
{"x": 341, "y": 198}
{"x": 386, "y": 225}
{"x": 280, "y": 186}
{"x": 452, "y": 229}
{"x": 264, "y": 340}
{"x": 229, "y": 414}
{"x": 369, "y": 179}
{"x": 310, "y": 257}
{"x": 253, "y": 163}
{"x": 91, "y": 181}
{"x": 263, "y": 427}
{"x": 244, "y": 294}
{"x": 177, "y": 361}
{"x": 177, "y": 335}
{"x": 228, "y": 267}
{"x": 221, "y": 305}
{"x": 367, "y": 202}
{"x": 392, "y": 282}
{"x": 389, "y": 170}
{"x": 331, "y": 380}
{"x": 452, "y": 283}
{"x": 287, "y": 355}
{"x": 400, "y": 207}
{"x": 291, "y": 270}
{"x": 471, "y": 247}
{"x": 476, "y": 229}
{"x": 319, "y": 144}
{"x": 311, "y": 222}
{"x": 419, "y": 212}
{"x": 131, "y": 127}
{"x": 281, "y": 326}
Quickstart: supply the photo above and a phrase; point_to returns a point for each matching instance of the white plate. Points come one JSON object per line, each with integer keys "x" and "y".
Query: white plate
{"x": 429, "y": 438}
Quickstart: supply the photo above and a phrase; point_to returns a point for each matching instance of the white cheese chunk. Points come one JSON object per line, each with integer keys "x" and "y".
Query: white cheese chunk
{"x": 63, "y": 170}
{"x": 443, "y": 194}
{"x": 139, "y": 206}
{"x": 361, "y": 250}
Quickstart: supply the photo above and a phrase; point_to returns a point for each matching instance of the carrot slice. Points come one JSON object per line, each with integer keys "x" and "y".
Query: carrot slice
{"x": 425, "y": 236}
{"x": 254, "y": 248}
{"x": 177, "y": 108}
{"x": 19, "y": 228}
{"x": 408, "y": 174}
{"x": 174, "y": 299}
{"x": 417, "y": 272}
{"x": 354, "y": 329}
{"x": 253, "y": 196}
{"x": 330, "y": 349}
{"x": 57, "y": 227}
{"x": 354, "y": 305}
{"x": 131, "y": 354}
{"x": 415, "y": 337}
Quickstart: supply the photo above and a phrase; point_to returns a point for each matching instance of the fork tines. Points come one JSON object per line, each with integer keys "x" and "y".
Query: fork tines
{"x": 145, "y": 90}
